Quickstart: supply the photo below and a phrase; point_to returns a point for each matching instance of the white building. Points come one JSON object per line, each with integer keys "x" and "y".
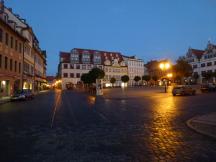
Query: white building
{"x": 80, "y": 61}
{"x": 135, "y": 68}
{"x": 202, "y": 61}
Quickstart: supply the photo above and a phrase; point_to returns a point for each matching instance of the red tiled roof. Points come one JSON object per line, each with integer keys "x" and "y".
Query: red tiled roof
{"x": 65, "y": 56}
{"x": 197, "y": 53}
{"x": 105, "y": 55}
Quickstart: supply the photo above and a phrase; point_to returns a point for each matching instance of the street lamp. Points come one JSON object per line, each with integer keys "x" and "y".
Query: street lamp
{"x": 165, "y": 66}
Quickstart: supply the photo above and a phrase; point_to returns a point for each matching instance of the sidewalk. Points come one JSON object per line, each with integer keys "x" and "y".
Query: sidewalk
{"x": 205, "y": 124}
{"x": 4, "y": 100}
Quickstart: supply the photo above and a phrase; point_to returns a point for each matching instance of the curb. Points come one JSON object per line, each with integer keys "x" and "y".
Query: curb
{"x": 4, "y": 102}
{"x": 189, "y": 124}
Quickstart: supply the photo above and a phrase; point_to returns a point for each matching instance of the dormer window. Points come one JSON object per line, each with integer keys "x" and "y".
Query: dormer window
{"x": 86, "y": 57}
{"x": 97, "y": 58}
{"x": 74, "y": 56}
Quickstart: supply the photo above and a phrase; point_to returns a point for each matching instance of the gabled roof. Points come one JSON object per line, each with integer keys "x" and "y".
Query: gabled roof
{"x": 105, "y": 55}
{"x": 197, "y": 53}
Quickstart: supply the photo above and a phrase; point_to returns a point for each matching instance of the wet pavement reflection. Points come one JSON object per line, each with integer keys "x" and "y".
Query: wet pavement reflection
{"x": 123, "y": 125}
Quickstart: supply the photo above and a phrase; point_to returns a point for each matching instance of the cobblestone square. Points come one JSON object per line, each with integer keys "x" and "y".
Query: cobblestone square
{"x": 133, "y": 124}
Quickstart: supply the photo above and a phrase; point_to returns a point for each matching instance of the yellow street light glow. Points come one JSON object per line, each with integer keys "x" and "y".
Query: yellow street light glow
{"x": 170, "y": 75}
{"x": 161, "y": 66}
{"x": 164, "y": 66}
{"x": 3, "y": 83}
{"x": 167, "y": 65}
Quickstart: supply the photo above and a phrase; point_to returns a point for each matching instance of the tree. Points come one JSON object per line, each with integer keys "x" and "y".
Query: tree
{"x": 85, "y": 78}
{"x": 112, "y": 80}
{"x": 137, "y": 78}
{"x": 146, "y": 78}
{"x": 182, "y": 68}
{"x": 125, "y": 78}
{"x": 155, "y": 78}
{"x": 96, "y": 73}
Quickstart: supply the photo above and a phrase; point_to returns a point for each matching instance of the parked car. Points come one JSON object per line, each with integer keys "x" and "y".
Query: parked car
{"x": 24, "y": 94}
{"x": 183, "y": 90}
{"x": 208, "y": 87}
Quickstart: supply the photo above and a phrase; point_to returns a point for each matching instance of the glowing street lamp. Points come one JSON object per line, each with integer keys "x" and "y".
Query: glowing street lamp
{"x": 170, "y": 75}
{"x": 165, "y": 66}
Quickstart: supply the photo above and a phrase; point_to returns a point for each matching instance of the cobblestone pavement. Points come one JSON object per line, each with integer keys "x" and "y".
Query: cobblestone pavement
{"x": 138, "y": 124}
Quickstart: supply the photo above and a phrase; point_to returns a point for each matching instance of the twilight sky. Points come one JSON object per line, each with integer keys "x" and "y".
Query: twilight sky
{"x": 149, "y": 29}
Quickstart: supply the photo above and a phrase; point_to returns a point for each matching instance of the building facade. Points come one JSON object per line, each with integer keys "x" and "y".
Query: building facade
{"x": 202, "y": 61}
{"x": 80, "y": 61}
{"x": 135, "y": 68}
{"x": 22, "y": 44}
{"x": 11, "y": 58}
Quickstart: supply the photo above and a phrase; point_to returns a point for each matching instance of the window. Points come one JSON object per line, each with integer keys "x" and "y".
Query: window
{"x": 209, "y": 71}
{"x": 77, "y": 66}
{"x": 19, "y": 67}
{"x": 1, "y": 35}
{"x": 78, "y": 75}
{"x": 12, "y": 42}
{"x": 84, "y": 67}
{"x": 65, "y": 66}
{"x": 11, "y": 64}
{"x": 72, "y": 75}
{"x": 203, "y": 65}
{"x": 0, "y": 61}
{"x": 85, "y": 57}
{"x": 194, "y": 66}
{"x": 6, "y": 62}
{"x": 71, "y": 66}
{"x": 75, "y": 57}
{"x": 89, "y": 67}
{"x": 97, "y": 58}
{"x": 209, "y": 64}
{"x": 15, "y": 66}
{"x": 65, "y": 75}
{"x": 16, "y": 45}
{"x": 203, "y": 72}
{"x": 20, "y": 47}
{"x": 215, "y": 62}
{"x": 6, "y": 39}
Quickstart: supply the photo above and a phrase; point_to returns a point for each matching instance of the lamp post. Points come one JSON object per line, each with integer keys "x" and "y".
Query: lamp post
{"x": 164, "y": 66}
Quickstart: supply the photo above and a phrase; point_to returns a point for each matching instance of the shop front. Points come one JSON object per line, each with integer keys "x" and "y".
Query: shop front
{"x": 4, "y": 88}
